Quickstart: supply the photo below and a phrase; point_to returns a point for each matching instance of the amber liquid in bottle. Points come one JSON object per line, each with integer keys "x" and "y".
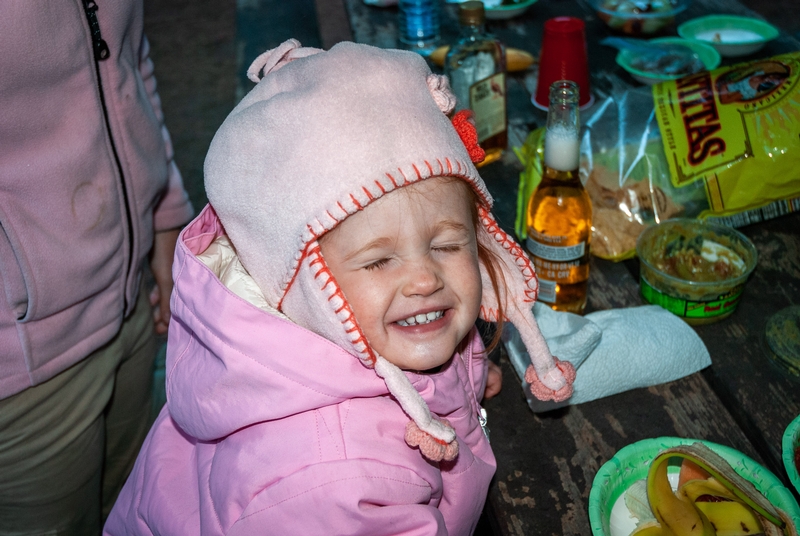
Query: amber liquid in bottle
{"x": 559, "y": 216}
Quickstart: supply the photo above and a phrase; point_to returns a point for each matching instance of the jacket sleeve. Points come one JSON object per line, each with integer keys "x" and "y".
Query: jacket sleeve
{"x": 364, "y": 497}
{"x": 174, "y": 209}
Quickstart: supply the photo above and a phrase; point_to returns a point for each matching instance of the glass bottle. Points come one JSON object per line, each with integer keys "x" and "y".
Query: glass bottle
{"x": 418, "y": 25}
{"x": 476, "y": 67}
{"x": 559, "y": 216}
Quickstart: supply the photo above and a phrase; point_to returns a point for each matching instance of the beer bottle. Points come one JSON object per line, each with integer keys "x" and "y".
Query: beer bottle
{"x": 559, "y": 215}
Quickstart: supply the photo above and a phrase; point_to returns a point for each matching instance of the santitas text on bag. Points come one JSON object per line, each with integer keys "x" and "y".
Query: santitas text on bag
{"x": 736, "y": 129}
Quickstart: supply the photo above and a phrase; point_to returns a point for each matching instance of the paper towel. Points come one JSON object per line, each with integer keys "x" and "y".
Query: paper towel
{"x": 613, "y": 351}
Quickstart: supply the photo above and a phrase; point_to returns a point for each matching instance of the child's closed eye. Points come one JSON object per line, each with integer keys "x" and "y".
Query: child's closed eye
{"x": 449, "y": 248}
{"x": 376, "y": 265}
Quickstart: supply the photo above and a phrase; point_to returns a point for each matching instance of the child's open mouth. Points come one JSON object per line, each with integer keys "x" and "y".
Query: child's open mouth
{"x": 421, "y": 319}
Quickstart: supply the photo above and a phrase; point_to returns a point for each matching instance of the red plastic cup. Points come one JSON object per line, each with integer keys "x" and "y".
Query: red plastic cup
{"x": 563, "y": 57}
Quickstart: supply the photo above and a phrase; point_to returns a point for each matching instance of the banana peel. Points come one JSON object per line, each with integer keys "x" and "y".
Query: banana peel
{"x": 740, "y": 509}
{"x": 516, "y": 60}
{"x": 731, "y": 518}
{"x": 695, "y": 489}
{"x": 675, "y": 516}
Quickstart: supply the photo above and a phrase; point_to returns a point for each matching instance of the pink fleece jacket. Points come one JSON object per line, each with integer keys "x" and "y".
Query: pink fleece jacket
{"x": 86, "y": 177}
{"x": 272, "y": 429}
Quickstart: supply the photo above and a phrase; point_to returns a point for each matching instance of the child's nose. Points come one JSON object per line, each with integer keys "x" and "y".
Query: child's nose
{"x": 422, "y": 279}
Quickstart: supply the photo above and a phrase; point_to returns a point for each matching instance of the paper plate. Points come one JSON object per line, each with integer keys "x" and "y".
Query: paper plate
{"x": 508, "y": 11}
{"x": 791, "y": 442}
{"x": 731, "y": 35}
{"x": 631, "y": 463}
{"x": 708, "y": 55}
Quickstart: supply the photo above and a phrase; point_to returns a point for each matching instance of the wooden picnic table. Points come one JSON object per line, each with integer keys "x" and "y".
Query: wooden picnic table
{"x": 547, "y": 462}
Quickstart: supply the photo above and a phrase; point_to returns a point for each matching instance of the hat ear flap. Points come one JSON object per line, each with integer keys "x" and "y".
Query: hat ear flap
{"x": 550, "y": 378}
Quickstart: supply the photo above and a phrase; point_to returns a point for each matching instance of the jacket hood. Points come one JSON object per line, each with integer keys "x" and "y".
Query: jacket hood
{"x": 231, "y": 364}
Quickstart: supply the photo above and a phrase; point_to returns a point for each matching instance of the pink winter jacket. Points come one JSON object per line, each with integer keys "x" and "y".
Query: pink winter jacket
{"x": 86, "y": 177}
{"x": 271, "y": 429}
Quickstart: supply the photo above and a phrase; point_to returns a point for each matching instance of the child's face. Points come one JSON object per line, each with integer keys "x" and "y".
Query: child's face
{"x": 408, "y": 266}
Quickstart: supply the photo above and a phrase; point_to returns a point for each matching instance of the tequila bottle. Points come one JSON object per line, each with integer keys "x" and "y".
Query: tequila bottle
{"x": 476, "y": 67}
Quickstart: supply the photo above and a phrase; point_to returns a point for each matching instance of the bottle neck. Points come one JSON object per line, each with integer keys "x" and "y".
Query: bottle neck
{"x": 472, "y": 31}
{"x": 566, "y": 178}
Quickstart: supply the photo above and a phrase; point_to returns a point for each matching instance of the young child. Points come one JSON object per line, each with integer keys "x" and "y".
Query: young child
{"x": 324, "y": 374}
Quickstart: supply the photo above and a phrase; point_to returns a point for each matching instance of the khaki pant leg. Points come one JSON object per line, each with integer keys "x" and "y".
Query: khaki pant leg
{"x": 128, "y": 412}
{"x": 52, "y": 442}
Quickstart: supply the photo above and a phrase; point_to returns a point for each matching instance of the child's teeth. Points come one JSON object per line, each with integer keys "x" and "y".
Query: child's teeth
{"x": 420, "y": 319}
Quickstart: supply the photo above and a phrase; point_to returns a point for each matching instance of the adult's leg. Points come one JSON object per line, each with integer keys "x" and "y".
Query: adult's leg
{"x": 51, "y": 451}
{"x": 52, "y": 443}
{"x": 129, "y": 410}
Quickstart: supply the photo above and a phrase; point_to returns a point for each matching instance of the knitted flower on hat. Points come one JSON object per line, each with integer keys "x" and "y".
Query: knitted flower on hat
{"x": 320, "y": 137}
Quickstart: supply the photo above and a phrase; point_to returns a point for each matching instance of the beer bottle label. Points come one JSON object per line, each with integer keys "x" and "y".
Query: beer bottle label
{"x": 547, "y": 291}
{"x": 556, "y": 253}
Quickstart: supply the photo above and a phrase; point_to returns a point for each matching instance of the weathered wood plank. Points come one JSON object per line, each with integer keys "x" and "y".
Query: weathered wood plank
{"x": 762, "y": 398}
{"x": 546, "y": 463}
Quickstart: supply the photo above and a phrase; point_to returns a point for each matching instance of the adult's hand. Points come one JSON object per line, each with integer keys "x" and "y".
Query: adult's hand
{"x": 161, "y": 264}
{"x": 494, "y": 381}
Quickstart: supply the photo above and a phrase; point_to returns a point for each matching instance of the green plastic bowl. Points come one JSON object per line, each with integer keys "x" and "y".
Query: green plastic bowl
{"x": 631, "y": 463}
{"x": 509, "y": 10}
{"x": 738, "y": 36}
{"x": 791, "y": 442}
{"x": 708, "y": 55}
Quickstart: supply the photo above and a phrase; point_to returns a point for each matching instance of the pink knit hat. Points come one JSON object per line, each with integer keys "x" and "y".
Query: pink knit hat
{"x": 322, "y": 135}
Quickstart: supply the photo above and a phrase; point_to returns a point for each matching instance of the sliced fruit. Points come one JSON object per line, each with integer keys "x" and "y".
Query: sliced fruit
{"x": 690, "y": 471}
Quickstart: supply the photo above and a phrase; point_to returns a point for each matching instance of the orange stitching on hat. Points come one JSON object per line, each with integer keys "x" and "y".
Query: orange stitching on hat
{"x": 430, "y": 168}
{"x": 405, "y": 179}
{"x": 383, "y": 190}
{"x": 343, "y": 209}
{"x": 314, "y": 251}
{"x": 369, "y": 194}
{"x": 394, "y": 182}
{"x": 520, "y": 259}
{"x": 449, "y": 165}
{"x": 489, "y": 314}
{"x": 355, "y": 202}
{"x": 419, "y": 175}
